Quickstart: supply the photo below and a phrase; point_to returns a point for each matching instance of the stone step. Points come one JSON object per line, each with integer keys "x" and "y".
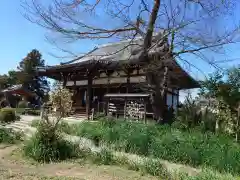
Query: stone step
{"x": 14, "y": 128}
{"x": 27, "y": 123}
{"x": 17, "y": 127}
{"x": 22, "y": 123}
{"x": 70, "y": 121}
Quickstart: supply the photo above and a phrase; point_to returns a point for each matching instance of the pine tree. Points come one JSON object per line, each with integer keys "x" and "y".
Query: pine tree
{"x": 27, "y": 75}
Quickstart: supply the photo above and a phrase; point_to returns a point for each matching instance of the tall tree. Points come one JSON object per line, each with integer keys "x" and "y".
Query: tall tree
{"x": 27, "y": 75}
{"x": 3, "y": 81}
{"x": 224, "y": 86}
{"x": 9, "y": 79}
{"x": 194, "y": 27}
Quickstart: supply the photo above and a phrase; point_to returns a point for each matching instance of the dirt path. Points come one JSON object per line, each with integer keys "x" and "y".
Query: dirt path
{"x": 16, "y": 168}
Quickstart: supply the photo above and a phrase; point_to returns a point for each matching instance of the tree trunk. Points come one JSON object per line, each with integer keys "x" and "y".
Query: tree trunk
{"x": 153, "y": 78}
{"x": 159, "y": 85}
{"x": 158, "y": 107}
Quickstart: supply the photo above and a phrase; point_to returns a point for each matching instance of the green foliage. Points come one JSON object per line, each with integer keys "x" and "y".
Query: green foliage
{"x": 9, "y": 136}
{"x": 20, "y": 111}
{"x": 35, "y": 123}
{"x": 7, "y": 115}
{"x": 224, "y": 86}
{"x": 47, "y": 145}
{"x": 33, "y": 112}
{"x": 192, "y": 115}
{"x": 206, "y": 175}
{"x": 187, "y": 147}
{"x": 107, "y": 157}
{"x": 8, "y": 80}
{"x": 23, "y": 104}
{"x": 27, "y": 75}
{"x": 103, "y": 157}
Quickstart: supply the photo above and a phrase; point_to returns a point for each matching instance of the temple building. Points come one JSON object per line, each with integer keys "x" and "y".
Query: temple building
{"x": 114, "y": 68}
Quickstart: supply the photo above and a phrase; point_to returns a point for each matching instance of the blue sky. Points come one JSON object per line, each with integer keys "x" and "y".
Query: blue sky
{"x": 19, "y": 36}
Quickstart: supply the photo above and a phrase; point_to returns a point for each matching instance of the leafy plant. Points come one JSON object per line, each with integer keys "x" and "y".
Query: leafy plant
{"x": 48, "y": 145}
{"x": 7, "y": 115}
{"x": 9, "y": 136}
{"x": 23, "y": 104}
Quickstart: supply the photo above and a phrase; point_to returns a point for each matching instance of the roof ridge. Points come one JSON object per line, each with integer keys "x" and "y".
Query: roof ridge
{"x": 155, "y": 34}
{"x": 119, "y": 42}
{"x": 71, "y": 61}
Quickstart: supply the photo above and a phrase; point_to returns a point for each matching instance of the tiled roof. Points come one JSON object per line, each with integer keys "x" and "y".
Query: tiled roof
{"x": 123, "y": 50}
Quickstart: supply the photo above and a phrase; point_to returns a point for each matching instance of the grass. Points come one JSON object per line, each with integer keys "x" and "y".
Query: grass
{"x": 18, "y": 167}
{"x": 35, "y": 123}
{"x": 102, "y": 166}
{"x": 106, "y": 157}
{"x": 186, "y": 147}
{"x": 149, "y": 166}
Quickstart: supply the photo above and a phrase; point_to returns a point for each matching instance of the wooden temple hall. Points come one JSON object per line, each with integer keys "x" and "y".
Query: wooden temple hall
{"x": 113, "y": 69}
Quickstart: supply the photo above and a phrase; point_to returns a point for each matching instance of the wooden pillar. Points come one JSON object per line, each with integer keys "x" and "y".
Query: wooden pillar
{"x": 145, "y": 110}
{"x": 108, "y": 81}
{"x": 89, "y": 96}
{"x": 128, "y": 83}
{"x": 125, "y": 107}
{"x": 108, "y": 84}
{"x": 64, "y": 79}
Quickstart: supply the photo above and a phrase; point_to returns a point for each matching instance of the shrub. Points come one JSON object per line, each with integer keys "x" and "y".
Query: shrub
{"x": 7, "y": 115}
{"x": 22, "y": 104}
{"x": 103, "y": 157}
{"x": 47, "y": 145}
{"x": 33, "y": 112}
{"x": 35, "y": 123}
{"x": 8, "y": 136}
{"x": 65, "y": 127}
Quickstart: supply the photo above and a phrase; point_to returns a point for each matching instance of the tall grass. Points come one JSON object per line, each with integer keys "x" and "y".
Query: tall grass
{"x": 187, "y": 147}
{"x": 106, "y": 157}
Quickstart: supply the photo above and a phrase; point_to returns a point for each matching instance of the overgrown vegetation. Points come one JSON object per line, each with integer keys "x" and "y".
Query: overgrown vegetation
{"x": 7, "y": 115}
{"x": 23, "y": 104}
{"x": 221, "y": 94}
{"x": 8, "y": 136}
{"x": 106, "y": 157}
{"x": 188, "y": 147}
{"x": 48, "y": 145}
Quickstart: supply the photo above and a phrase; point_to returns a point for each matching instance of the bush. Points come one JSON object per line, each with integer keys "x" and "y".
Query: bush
{"x": 35, "y": 123}
{"x": 7, "y": 115}
{"x": 8, "y": 136}
{"x": 33, "y": 112}
{"x": 103, "y": 157}
{"x": 188, "y": 147}
{"x": 23, "y": 104}
{"x": 47, "y": 145}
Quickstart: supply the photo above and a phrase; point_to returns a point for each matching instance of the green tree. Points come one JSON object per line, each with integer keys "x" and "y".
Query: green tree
{"x": 10, "y": 79}
{"x": 27, "y": 75}
{"x": 3, "y": 81}
{"x": 224, "y": 86}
